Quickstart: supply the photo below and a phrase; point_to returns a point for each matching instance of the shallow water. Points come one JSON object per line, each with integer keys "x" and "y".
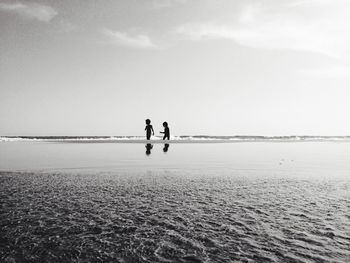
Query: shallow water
{"x": 250, "y": 202}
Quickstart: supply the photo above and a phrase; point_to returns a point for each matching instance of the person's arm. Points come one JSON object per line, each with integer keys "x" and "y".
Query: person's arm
{"x": 152, "y": 130}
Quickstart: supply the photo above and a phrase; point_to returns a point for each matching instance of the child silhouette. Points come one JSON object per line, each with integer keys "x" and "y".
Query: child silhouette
{"x": 149, "y": 129}
{"x": 166, "y": 131}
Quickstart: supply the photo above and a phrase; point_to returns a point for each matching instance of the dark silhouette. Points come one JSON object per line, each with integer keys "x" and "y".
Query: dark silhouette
{"x": 149, "y": 129}
{"x": 166, "y": 131}
{"x": 148, "y": 148}
{"x": 166, "y": 147}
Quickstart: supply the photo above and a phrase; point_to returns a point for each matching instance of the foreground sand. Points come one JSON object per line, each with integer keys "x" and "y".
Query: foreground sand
{"x": 169, "y": 216}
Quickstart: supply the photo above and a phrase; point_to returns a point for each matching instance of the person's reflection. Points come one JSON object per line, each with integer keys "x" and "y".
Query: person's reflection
{"x": 148, "y": 148}
{"x": 166, "y": 147}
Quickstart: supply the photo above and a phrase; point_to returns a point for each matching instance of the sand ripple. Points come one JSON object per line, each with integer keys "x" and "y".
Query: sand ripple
{"x": 172, "y": 217}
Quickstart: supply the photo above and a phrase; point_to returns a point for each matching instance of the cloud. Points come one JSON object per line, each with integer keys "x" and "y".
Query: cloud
{"x": 34, "y": 11}
{"x": 334, "y": 71}
{"x": 67, "y": 26}
{"x": 140, "y": 41}
{"x": 159, "y": 4}
{"x": 312, "y": 26}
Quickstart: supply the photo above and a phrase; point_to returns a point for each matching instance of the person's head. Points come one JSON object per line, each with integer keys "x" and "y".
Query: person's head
{"x": 148, "y": 121}
{"x": 165, "y": 124}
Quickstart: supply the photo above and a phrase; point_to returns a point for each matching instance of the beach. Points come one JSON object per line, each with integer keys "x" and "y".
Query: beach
{"x": 191, "y": 202}
{"x": 174, "y": 131}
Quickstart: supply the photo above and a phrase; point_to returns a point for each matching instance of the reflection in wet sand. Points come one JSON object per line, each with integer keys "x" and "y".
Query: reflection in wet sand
{"x": 166, "y": 147}
{"x": 148, "y": 148}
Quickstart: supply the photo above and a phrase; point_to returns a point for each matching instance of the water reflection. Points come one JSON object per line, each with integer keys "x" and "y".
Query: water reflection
{"x": 148, "y": 148}
{"x": 166, "y": 147}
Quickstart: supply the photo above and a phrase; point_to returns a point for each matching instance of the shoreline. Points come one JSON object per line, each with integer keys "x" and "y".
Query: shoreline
{"x": 198, "y": 141}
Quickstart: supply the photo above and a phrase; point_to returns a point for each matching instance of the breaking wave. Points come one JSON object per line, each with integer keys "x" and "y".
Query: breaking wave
{"x": 183, "y": 138}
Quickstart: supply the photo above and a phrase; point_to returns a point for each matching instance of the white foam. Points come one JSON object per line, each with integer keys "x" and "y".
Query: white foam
{"x": 174, "y": 139}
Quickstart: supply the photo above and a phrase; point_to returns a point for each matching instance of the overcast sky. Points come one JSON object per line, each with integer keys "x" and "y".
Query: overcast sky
{"x": 217, "y": 67}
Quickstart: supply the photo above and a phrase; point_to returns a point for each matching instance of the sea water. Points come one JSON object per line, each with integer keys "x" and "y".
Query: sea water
{"x": 194, "y": 202}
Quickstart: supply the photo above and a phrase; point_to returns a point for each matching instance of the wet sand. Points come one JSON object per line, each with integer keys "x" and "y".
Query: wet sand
{"x": 277, "y": 203}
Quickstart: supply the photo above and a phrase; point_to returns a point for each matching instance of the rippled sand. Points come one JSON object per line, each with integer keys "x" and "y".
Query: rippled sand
{"x": 172, "y": 217}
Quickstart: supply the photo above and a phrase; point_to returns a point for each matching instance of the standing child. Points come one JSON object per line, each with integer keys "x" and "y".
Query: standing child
{"x": 166, "y": 131}
{"x": 149, "y": 129}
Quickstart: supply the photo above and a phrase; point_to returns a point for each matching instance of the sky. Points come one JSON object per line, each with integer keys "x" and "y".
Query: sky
{"x": 208, "y": 67}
